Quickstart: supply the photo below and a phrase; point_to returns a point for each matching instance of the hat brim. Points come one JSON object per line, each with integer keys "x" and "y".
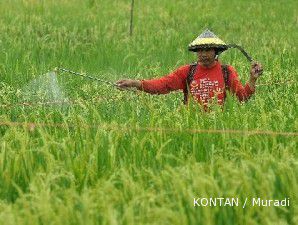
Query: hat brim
{"x": 217, "y": 47}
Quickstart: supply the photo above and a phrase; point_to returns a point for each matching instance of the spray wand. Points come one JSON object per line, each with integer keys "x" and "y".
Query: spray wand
{"x": 84, "y": 75}
{"x": 57, "y": 69}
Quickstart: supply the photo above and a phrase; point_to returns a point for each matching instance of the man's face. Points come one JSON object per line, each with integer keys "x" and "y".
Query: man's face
{"x": 206, "y": 56}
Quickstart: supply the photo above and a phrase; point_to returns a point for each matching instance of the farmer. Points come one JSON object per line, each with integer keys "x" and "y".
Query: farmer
{"x": 206, "y": 81}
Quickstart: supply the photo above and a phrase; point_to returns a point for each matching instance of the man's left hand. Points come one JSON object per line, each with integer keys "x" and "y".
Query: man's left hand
{"x": 256, "y": 70}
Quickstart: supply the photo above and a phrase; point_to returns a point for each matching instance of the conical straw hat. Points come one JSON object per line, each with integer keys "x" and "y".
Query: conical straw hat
{"x": 207, "y": 40}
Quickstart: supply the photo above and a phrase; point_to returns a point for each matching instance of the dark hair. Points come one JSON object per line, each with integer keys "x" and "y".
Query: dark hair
{"x": 217, "y": 51}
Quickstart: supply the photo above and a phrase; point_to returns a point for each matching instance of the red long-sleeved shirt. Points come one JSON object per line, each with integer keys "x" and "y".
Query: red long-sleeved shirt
{"x": 207, "y": 84}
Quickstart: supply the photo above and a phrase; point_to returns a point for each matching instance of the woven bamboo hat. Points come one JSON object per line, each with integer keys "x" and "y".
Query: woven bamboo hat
{"x": 207, "y": 40}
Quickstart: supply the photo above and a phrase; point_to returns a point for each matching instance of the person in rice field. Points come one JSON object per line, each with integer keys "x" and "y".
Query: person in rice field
{"x": 205, "y": 80}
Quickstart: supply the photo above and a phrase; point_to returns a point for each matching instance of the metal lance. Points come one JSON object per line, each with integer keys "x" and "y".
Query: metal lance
{"x": 57, "y": 69}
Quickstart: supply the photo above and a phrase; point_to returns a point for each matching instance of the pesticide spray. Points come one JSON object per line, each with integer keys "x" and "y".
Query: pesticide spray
{"x": 44, "y": 89}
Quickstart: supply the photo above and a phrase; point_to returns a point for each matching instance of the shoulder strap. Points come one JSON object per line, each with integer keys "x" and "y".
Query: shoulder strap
{"x": 188, "y": 80}
{"x": 226, "y": 74}
{"x": 191, "y": 73}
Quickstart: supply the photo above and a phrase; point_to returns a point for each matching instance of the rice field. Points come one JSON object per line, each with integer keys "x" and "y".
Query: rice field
{"x": 77, "y": 151}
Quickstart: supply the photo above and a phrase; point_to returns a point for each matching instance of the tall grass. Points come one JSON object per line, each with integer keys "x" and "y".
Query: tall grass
{"x": 78, "y": 174}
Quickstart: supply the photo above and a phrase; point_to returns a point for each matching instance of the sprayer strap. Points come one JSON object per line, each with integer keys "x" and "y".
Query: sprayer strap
{"x": 189, "y": 79}
{"x": 226, "y": 74}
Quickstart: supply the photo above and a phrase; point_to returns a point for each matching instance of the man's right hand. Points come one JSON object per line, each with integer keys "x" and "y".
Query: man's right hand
{"x": 127, "y": 83}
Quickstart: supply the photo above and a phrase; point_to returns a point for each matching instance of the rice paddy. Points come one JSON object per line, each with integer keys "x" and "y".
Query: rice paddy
{"x": 77, "y": 151}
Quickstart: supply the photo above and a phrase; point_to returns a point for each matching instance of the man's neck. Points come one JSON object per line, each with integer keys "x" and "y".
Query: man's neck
{"x": 209, "y": 65}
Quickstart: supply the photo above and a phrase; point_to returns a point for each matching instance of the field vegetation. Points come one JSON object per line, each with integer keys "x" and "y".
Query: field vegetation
{"x": 106, "y": 156}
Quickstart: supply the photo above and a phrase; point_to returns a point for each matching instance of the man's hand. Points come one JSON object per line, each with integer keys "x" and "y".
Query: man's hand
{"x": 256, "y": 70}
{"x": 126, "y": 84}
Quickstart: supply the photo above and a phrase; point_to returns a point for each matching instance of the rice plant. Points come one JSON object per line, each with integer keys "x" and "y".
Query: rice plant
{"x": 76, "y": 151}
